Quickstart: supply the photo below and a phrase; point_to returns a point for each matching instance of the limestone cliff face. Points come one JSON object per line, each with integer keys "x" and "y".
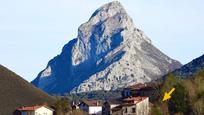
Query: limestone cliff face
{"x": 109, "y": 52}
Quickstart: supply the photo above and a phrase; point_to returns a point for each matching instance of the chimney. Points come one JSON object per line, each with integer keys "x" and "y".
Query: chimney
{"x": 73, "y": 103}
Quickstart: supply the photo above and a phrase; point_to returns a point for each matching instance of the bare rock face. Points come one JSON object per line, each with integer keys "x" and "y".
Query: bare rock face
{"x": 109, "y": 52}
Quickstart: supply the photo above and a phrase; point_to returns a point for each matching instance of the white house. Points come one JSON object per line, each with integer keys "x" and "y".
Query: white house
{"x": 91, "y": 107}
{"x": 35, "y": 110}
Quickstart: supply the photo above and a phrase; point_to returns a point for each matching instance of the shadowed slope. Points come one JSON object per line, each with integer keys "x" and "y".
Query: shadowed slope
{"x": 15, "y": 92}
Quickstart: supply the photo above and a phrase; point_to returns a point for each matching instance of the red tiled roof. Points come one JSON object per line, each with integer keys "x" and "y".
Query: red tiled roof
{"x": 31, "y": 108}
{"x": 93, "y": 102}
{"x": 134, "y": 99}
{"x": 28, "y": 108}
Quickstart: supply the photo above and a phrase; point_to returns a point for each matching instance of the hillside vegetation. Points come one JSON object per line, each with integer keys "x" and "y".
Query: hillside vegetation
{"x": 15, "y": 92}
{"x": 98, "y": 95}
{"x": 187, "y": 99}
{"x": 62, "y": 107}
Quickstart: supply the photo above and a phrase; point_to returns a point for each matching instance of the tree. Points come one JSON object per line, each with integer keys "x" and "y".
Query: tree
{"x": 169, "y": 82}
{"x": 179, "y": 101}
{"x": 62, "y": 106}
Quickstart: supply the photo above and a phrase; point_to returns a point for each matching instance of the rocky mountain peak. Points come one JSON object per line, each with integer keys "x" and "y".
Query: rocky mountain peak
{"x": 109, "y": 27}
{"x": 109, "y": 52}
{"x": 108, "y": 10}
{"x": 108, "y": 19}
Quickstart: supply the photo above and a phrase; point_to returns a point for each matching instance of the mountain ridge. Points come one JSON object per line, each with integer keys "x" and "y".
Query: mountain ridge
{"x": 191, "y": 68}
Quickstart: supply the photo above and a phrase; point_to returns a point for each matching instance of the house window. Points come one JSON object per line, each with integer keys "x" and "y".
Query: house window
{"x": 126, "y": 110}
{"x": 133, "y": 110}
{"x": 129, "y": 93}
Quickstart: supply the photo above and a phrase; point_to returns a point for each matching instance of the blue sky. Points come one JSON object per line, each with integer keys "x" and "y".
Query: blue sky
{"x": 34, "y": 31}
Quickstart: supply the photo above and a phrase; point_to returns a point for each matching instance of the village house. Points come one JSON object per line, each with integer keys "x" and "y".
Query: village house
{"x": 34, "y": 110}
{"x": 92, "y": 107}
{"x": 135, "y": 106}
{"x": 118, "y": 110}
{"x": 127, "y": 106}
{"x": 75, "y": 104}
{"x": 134, "y": 101}
{"x": 108, "y": 106}
{"x": 146, "y": 90}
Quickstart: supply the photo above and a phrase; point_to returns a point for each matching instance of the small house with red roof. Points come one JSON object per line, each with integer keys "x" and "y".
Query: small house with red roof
{"x": 34, "y": 110}
{"x": 144, "y": 90}
{"x": 127, "y": 106}
{"x": 92, "y": 107}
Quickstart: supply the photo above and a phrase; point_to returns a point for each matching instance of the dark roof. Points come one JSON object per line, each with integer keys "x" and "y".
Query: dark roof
{"x": 117, "y": 108}
{"x": 114, "y": 101}
{"x": 127, "y": 104}
{"x": 133, "y": 100}
{"x": 92, "y": 102}
{"x": 139, "y": 86}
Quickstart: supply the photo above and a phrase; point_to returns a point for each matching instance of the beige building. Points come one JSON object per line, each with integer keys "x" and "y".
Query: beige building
{"x": 34, "y": 110}
{"x": 127, "y": 106}
{"x": 135, "y": 106}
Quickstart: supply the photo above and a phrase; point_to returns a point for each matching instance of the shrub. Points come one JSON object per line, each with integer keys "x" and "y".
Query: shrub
{"x": 156, "y": 110}
{"x": 62, "y": 106}
{"x": 169, "y": 82}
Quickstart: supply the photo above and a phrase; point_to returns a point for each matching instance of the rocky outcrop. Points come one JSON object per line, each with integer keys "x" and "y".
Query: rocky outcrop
{"x": 109, "y": 52}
